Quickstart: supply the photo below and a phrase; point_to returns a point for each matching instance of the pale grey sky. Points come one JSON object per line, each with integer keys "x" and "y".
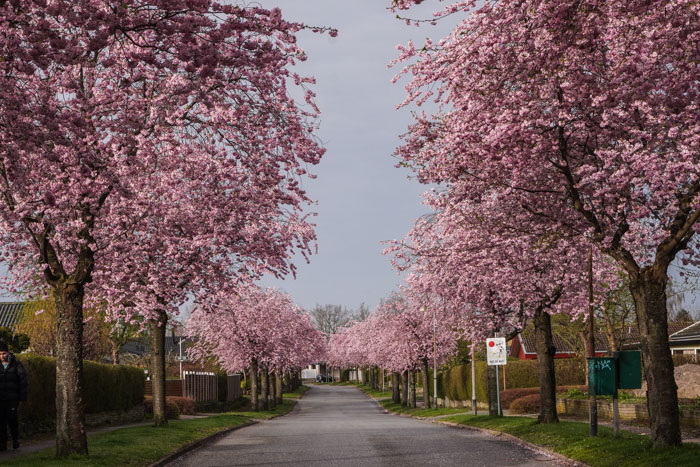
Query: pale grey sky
{"x": 362, "y": 198}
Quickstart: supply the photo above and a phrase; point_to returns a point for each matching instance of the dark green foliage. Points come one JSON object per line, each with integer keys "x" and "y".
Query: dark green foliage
{"x": 455, "y": 382}
{"x": 172, "y": 411}
{"x": 16, "y": 342}
{"x": 509, "y": 395}
{"x": 526, "y": 404}
{"x": 184, "y": 404}
{"x": 218, "y": 406}
{"x": 106, "y": 388}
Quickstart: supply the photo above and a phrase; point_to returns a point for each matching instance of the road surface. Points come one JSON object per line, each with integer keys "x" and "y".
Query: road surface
{"x": 341, "y": 426}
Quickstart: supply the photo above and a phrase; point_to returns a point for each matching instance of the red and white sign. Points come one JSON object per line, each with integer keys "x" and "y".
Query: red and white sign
{"x": 496, "y": 351}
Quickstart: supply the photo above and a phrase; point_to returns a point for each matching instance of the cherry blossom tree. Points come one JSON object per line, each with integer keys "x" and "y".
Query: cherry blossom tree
{"x": 106, "y": 109}
{"x": 257, "y": 329}
{"x": 586, "y": 112}
{"x": 494, "y": 272}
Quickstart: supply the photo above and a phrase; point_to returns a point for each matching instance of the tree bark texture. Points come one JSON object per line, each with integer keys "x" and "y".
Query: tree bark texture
{"x": 265, "y": 389}
{"x": 426, "y": 382}
{"x": 157, "y": 330}
{"x": 544, "y": 345}
{"x": 395, "y": 387}
{"x": 404, "y": 389}
{"x": 254, "y": 385}
{"x": 273, "y": 391}
{"x": 278, "y": 387}
{"x": 115, "y": 353}
{"x": 493, "y": 394}
{"x": 412, "y": 379}
{"x": 70, "y": 412}
{"x": 648, "y": 288}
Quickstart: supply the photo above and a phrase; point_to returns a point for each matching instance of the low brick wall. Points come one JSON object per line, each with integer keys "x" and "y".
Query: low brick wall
{"x": 628, "y": 412}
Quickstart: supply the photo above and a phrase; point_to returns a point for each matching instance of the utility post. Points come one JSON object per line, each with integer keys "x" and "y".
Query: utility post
{"x": 435, "y": 392}
{"x": 592, "y": 402}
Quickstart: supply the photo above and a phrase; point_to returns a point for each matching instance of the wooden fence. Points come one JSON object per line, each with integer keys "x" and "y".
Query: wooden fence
{"x": 233, "y": 386}
{"x": 173, "y": 387}
{"x": 201, "y": 386}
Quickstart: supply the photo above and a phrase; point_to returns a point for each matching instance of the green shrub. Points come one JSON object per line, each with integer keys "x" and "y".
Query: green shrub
{"x": 172, "y": 411}
{"x": 526, "y": 404}
{"x": 218, "y": 406}
{"x": 184, "y": 404}
{"x": 105, "y": 388}
{"x": 574, "y": 393}
{"x": 510, "y": 395}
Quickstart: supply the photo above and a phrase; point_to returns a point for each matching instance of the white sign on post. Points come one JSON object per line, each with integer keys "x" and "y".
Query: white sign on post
{"x": 496, "y": 351}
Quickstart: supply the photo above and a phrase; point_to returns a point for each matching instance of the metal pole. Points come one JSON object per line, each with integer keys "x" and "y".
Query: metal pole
{"x": 498, "y": 393}
{"x": 435, "y": 392}
{"x": 180, "y": 359}
{"x": 592, "y": 402}
{"x": 473, "y": 382}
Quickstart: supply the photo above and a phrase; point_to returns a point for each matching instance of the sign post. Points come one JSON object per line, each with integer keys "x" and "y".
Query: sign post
{"x": 496, "y": 356}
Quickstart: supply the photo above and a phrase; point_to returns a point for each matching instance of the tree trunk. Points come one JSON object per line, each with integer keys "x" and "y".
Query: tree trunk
{"x": 70, "y": 412}
{"x": 493, "y": 392}
{"x": 395, "y": 388}
{"x": 412, "y": 379}
{"x": 273, "y": 391}
{"x": 254, "y": 385}
{"x": 265, "y": 388}
{"x": 115, "y": 353}
{"x": 426, "y": 382}
{"x": 157, "y": 328}
{"x": 404, "y": 401}
{"x": 278, "y": 387}
{"x": 648, "y": 288}
{"x": 544, "y": 345}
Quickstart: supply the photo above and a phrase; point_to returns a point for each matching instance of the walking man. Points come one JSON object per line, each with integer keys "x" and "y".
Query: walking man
{"x": 13, "y": 389}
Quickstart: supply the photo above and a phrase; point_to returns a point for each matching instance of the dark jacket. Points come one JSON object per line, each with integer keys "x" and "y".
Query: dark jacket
{"x": 13, "y": 381}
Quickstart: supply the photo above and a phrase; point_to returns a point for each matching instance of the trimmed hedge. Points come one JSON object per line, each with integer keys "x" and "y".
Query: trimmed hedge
{"x": 526, "y": 404}
{"x": 509, "y": 395}
{"x": 106, "y": 388}
{"x": 172, "y": 411}
{"x": 455, "y": 382}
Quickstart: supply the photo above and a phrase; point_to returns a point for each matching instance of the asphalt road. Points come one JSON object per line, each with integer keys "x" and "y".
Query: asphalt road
{"x": 340, "y": 426}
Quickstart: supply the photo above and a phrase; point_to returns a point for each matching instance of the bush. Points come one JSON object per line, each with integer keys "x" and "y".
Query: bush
{"x": 526, "y": 404}
{"x": 184, "y": 404}
{"x": 510, "y": 395}
{"x": 172, "y": 412}
{"x": 218, "y": 406}
{"x": 679, "y": 360}
{"x": 106, "y": 388}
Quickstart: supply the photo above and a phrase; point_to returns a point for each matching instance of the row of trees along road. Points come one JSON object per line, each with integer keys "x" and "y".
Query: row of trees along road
{"x": 149, "y": 151}
{"x": 580, "y": 120}
{"x": 260, "y": 330}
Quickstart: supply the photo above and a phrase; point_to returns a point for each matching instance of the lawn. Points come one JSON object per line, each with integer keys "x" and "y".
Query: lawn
{"x": 420, "y": 412}
{"x": 572, "y": 440}
{"x": 144, "y": 445}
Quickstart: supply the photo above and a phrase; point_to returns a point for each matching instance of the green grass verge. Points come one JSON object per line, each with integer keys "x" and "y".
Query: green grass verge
{"x": 573, "y": 441}
{"x": 366, "y": 388}
{"x": 419, "y": 412}
{"x": 297, "y": 393}
{"x": 146, "y": 444}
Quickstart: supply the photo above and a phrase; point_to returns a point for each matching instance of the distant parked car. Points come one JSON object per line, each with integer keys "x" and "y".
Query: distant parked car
{"x": 324, "y": 379}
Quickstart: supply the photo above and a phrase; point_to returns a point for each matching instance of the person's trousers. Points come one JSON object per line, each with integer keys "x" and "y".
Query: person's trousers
{"x": 8, "y": 418}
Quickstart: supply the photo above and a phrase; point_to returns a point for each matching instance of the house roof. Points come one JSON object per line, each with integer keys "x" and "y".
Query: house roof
{"x": 690, "y": 332}
{"x": 10, "y": 313}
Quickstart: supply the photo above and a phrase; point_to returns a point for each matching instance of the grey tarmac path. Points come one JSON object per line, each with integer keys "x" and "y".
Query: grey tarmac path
{"x": 340, "y": 426}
